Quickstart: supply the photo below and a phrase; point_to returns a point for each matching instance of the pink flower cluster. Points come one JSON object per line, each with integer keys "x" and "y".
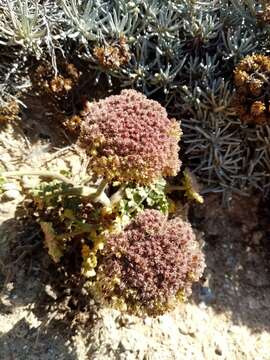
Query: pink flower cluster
{"x": 154, "y": 259}
{"x": 131, "y": 139}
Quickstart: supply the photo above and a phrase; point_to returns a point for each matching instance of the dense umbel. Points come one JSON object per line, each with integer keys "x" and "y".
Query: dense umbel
{"x": 130, "y": 139}
{"x": 150, "y": 265}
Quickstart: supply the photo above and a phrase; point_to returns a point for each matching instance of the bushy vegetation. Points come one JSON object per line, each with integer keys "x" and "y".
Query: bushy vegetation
{"x": 182, "y": 53}
{"x": 203, "y": 65}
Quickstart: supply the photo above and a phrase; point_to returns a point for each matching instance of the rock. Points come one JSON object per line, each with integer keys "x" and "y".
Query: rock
{"x": 9, "y": 186}
{"x": 253, "y": 304}
{"x": 218, "y": 351}
{"x": 206, "y": 295}
{"x": 11, "y": 191}
{"x": 257, "y": 236}
{"x": 50, "y": 292}
{"x": 11, "y": 195}
{"x": 220, "y": 345}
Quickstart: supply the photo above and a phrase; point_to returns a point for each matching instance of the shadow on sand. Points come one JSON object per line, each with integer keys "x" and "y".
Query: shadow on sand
{"x": 41, "y": 308}
{"x": 237, "y": 277}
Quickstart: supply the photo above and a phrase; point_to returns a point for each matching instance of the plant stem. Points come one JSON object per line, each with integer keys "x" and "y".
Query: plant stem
{"x": 48, "y": 174}
{"x": 99, "y": 195}
{"x": 103, "y": 199}
{"x": 95, "y": 194}
{"x": 101, "y": 187}
{"x": 117, "y": 196}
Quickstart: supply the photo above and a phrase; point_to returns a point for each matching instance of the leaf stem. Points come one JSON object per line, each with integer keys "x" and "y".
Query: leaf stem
{"x": 117, "y": 196}
{"x": 95, "y": 194}
{"x": 47, "y": 174}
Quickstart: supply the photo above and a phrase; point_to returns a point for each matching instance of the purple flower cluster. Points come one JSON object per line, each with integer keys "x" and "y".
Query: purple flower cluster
{"x": 131, "y": 139}
{"x": 152, "y": 261}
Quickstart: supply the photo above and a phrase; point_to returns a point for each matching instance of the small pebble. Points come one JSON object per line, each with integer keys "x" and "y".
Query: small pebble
{"x": 9, "y": 186}
{"x": 11, "y": 195}
{"x": 206, "y": 295}
{"x": 50, "y": 292}
{"x": 257, "y": 237}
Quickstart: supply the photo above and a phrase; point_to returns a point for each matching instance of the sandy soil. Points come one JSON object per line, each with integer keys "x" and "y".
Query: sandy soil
{"x": 227, "y": 317}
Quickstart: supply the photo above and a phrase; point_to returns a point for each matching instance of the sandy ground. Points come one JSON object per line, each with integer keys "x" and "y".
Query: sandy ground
{"x": 227, "y": 316}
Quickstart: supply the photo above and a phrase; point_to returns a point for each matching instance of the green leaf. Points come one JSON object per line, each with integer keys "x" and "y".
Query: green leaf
{"x": 138, "y": 198}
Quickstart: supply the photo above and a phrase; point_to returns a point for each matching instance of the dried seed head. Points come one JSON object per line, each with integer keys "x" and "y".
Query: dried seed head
{"x": 252, "y": 80}
{"x": 113, "y": 55}
{"x": 9, "y": 112}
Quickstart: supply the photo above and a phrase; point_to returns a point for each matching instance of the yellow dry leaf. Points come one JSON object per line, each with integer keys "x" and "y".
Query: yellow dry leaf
{"x": 52, "y": 244}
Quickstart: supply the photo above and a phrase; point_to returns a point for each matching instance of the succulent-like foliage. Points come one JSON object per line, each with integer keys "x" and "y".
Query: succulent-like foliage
{"x": 181, "y": 53}
{"x": 132, "y": 255}
{"x": 23, "y": 24}
{"x": 257, "y": 166}
{"x": 131, "y": 139}
{"x": 69, "y": 219}
{"x": 150, "y": 264}
{"x": 137, "y": 198}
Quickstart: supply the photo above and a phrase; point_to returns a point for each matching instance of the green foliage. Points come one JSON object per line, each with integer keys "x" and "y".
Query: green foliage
{"x": 182, "y": 53}
{"x": 53, "y": 193}
{"x": 65, "y": 214}
{"x": 138, "y": 198}
{"x": 60, "y": 210}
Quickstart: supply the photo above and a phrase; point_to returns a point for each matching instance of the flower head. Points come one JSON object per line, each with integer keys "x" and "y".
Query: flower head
{"x": 149, "y": 264}
{"x": 131, "y": 139}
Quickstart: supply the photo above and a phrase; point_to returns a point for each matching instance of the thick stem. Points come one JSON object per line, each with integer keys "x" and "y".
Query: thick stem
{"x": 95, "y": 194}
{"x": 101, "y": 187}
{"x": 103, "y": 199}
{"x": 117, "y": 196}
{"x": 47, "y": 174}
{"x": 99, "y": 195}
